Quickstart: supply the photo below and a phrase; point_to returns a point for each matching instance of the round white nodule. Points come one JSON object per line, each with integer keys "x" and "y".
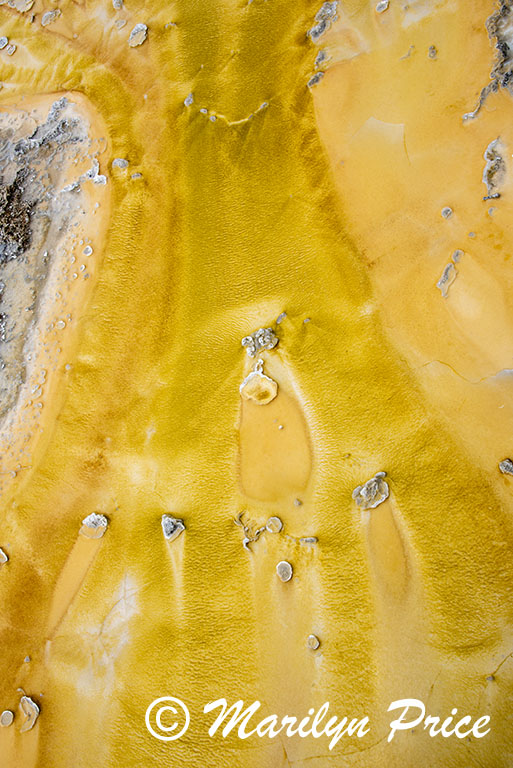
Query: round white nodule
{"x": 284, "y": 570}
{"x": 313, "y": 642}
{"x": 274, "y": 525}
{"x": 6, "y": 718}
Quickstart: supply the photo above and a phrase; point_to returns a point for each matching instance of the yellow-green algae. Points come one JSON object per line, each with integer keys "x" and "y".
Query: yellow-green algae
{"x": 228, "y": 226}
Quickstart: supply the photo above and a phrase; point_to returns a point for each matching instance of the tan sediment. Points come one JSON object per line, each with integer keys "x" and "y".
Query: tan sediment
{"x": 387, "y": 553}
{"x": 390, "y": 117}
{"x": 70, "y": 580}
{"x": 275, "y": 463}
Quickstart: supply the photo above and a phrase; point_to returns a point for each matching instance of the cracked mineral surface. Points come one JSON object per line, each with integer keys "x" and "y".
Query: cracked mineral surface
{"x": 38, "y": 216}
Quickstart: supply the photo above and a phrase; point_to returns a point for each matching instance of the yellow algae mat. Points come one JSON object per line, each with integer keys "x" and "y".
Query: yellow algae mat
{"x": 256, "y": 379}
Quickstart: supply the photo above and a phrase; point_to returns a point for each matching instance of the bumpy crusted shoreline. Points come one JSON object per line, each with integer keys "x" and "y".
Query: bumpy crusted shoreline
{"x": 500, "y": 30}
{"x": 40, "y": 212}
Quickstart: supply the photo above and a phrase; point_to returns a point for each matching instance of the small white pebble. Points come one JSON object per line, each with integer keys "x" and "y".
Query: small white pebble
{"x": 120, "y": 162}
{"x": 284, "y": 570}
{"x": 3, "y": 42}
{"x": 313, "y": 642}
{"x": 94, "y": 526}
{"x": 50, "y": 16}
{"x": 506, "y": 467}
{"x": 23, "y": 5}
{"x": 382, "y": 6}
{"x": 6, "y": 718}
{"x": 274, "y": 525}
{"x": 203, "y": 110}
{"x": 172, "y": 527}
{"x": 138, "y": 35}
{"x": 117, "y": 4}
{"x": 10, "y": 49}
{"x": 446, "y": 212}
{"x": 188, "y": 100}
{"x": 87, "y": 250}
{"x": 373, "y": 492}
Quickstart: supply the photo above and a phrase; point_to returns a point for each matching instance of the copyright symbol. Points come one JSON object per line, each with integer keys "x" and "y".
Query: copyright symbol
{"x": 167, "y": 704}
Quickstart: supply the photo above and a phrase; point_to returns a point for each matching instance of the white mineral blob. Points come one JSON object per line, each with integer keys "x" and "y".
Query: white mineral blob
{"x": 120, "y": 162}
{"x": 50, "y": 16}
{"x": 138, "y": 35}
{"x": 313, "y": 642}
{"x": 506, "y": 467}
{"x": 264, "y": 338}
{"x": 447, "y": 279}
{"x": 325, "y": 16}
{"x": 284, "y": 570}
{"x": 23, "y": 5}
{"x": 274, "y": 525}
{"x": 6, "y": 718}
{"x": 30, "y": 712}
{"x": 172, "y": 527}
{"x": 94, "y": 526}
{"x": 259, "y": 387}
{"x": 372, "y": 493}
